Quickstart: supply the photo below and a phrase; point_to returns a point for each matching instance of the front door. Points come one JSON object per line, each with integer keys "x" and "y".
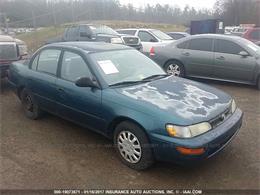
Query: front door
{"x": 229, "y": 65}
{"x": 78, "y": 104}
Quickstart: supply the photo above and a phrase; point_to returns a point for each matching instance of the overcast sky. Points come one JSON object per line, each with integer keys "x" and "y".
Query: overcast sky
{"x": 197, "y": 4}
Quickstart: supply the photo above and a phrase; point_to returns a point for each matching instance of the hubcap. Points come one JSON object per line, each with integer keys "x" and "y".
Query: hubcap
{"x": 28, "y": 103}
{"x": 129, "y": 146}
{"x": 174, "y": 69}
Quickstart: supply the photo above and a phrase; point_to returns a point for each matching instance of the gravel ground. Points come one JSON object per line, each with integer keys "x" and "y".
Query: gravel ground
{"x": 52, "y": 153}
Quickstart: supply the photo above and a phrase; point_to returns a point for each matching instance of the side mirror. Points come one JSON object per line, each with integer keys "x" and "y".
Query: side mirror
{"x": 244, "y": 54}
{"x": 85, "y": 34}
{"x": 86, "y": 82}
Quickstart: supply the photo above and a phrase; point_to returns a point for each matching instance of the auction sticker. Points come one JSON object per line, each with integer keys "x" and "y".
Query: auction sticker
{"x": 108, "y": 67}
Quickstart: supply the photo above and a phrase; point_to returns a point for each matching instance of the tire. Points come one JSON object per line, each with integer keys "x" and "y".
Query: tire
{"x": 175, "y": 68}
{"x": 30, "y": 105}
{"x": 258, "y": 83}
{"x": 140, "y": 148}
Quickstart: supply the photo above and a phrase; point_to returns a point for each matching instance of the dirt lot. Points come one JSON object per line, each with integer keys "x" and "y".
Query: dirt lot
{"x": 53, "y": 153}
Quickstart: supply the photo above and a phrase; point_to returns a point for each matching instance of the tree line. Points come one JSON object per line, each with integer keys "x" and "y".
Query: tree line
{"x": 37, "y": 13}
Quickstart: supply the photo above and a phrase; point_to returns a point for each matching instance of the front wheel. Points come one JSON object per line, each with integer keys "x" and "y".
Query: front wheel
{"x": 258, "y": 83}
{"x": 175, "y": 68}
{"x": 30, "y": 105}
{"x": 132, "y": 146}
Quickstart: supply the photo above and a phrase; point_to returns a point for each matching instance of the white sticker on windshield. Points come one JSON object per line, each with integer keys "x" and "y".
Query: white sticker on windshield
{"x": 108, "y": 67}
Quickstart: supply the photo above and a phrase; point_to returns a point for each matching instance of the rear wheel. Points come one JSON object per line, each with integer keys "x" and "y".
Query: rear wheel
{"x": 174, "y": 68}
{"x": 30, "y": 105}
{"x": 132, "y": 146}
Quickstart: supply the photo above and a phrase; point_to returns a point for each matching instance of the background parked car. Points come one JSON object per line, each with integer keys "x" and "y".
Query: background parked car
{"x": 10, "y": 50}
{"x": 148, "y": 37}
{"x": 177, "y": 35}
{"x": 238, "y": 31}
{"x": 97, "y": 33}
{"x": 252, "y": 34}
{"x": 217, "y": 57}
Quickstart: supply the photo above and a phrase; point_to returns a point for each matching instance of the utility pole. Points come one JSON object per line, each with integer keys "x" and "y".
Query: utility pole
{"x": 6, "y": 23}
{"x": 54, "y": 18}
{"x": 72, "y": 12}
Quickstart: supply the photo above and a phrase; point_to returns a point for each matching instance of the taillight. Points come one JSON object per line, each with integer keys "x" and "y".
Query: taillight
{"x": 152, "y": 52}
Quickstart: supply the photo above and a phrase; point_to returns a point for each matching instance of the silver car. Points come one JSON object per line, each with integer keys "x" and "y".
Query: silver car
{"x": 211, "y": 56}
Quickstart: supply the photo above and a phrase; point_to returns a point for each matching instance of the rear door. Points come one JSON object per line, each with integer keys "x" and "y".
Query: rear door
{"x": 229, "y": 65}
{"x": 79, "y": 104}
{"x": 43, "y": 81}
{"x": 199, "y": 57}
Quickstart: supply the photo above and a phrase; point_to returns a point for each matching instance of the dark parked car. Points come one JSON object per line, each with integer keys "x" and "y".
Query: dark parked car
{"x": 97, "y": 33}
{"x": 10, "y": 50}
{"x": 122, "y": 94}
{"x": 178, "y": 35}
{"x": 218, "y": 57}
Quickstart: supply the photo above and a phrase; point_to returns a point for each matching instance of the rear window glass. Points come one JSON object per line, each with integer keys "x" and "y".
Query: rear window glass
{"x": 201, "y": 44}
{"x": 48, "y": 61}
{"x": 255, "y": 34}
{"x": 8, "y": 52}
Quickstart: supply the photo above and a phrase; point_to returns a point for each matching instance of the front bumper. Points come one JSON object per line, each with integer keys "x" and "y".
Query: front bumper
{"x": 214, "y": 141}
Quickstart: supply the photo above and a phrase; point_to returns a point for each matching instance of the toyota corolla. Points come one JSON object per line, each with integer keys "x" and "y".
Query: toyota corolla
{"x": 122, "y": 94}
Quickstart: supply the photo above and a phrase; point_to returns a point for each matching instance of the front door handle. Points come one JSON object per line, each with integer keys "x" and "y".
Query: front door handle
{"x": 186, "y": 53}
{"x": 61, "y": 90}
{"x": 220, "y": 58}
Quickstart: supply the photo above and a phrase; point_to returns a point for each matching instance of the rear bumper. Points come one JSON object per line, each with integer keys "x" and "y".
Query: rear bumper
{"x": 4, "y": 70}
{"x": 213, "y": 142}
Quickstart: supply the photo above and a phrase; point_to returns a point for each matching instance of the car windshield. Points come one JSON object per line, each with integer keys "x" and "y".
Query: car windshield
{"x": 103, "y": 30}
{"x": 161, "y": 35}
{"x": 250, "y": 45}
{"x": 125, "y": 66}
{"x": 8, "y": 51}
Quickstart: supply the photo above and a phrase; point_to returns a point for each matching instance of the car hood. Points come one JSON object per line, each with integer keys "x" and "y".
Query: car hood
{"x": 186, "y": 101}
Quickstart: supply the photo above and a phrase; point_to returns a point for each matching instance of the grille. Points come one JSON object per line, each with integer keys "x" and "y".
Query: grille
{"x": 220, "y": 118}
{"x": 131, "y": 40}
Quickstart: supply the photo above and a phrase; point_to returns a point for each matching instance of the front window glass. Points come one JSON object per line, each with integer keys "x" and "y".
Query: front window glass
{"x": 161, "y": 35}
{"x": 225, "y": 46}
{"x": 73, "y": 67}
{"x": 146, "y": 37}
{"x": 125, "y": 65}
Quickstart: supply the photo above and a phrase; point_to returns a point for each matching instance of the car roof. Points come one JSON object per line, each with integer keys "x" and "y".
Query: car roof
{"x": 90, "y": 46}
{"x": 5, "y": 38}
{"x": 137, "y": 29}
{"x": 183, "y": 33}
{"x": 221, "y": 36}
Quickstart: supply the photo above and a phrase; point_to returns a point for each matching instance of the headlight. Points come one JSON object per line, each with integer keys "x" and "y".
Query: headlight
{"x": 233, "y": 106}
{"x": 116, "y": 40}
{"x": 188, "y": 131}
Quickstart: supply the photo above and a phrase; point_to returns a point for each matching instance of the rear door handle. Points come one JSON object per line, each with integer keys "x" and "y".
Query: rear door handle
{"x": 220, "y": 58}
{"x": 186, "y": 53}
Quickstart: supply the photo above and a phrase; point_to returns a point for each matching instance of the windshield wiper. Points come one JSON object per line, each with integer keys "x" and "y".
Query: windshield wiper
{"x": 127, "y": 83}
{"x": 156, "y": 76}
